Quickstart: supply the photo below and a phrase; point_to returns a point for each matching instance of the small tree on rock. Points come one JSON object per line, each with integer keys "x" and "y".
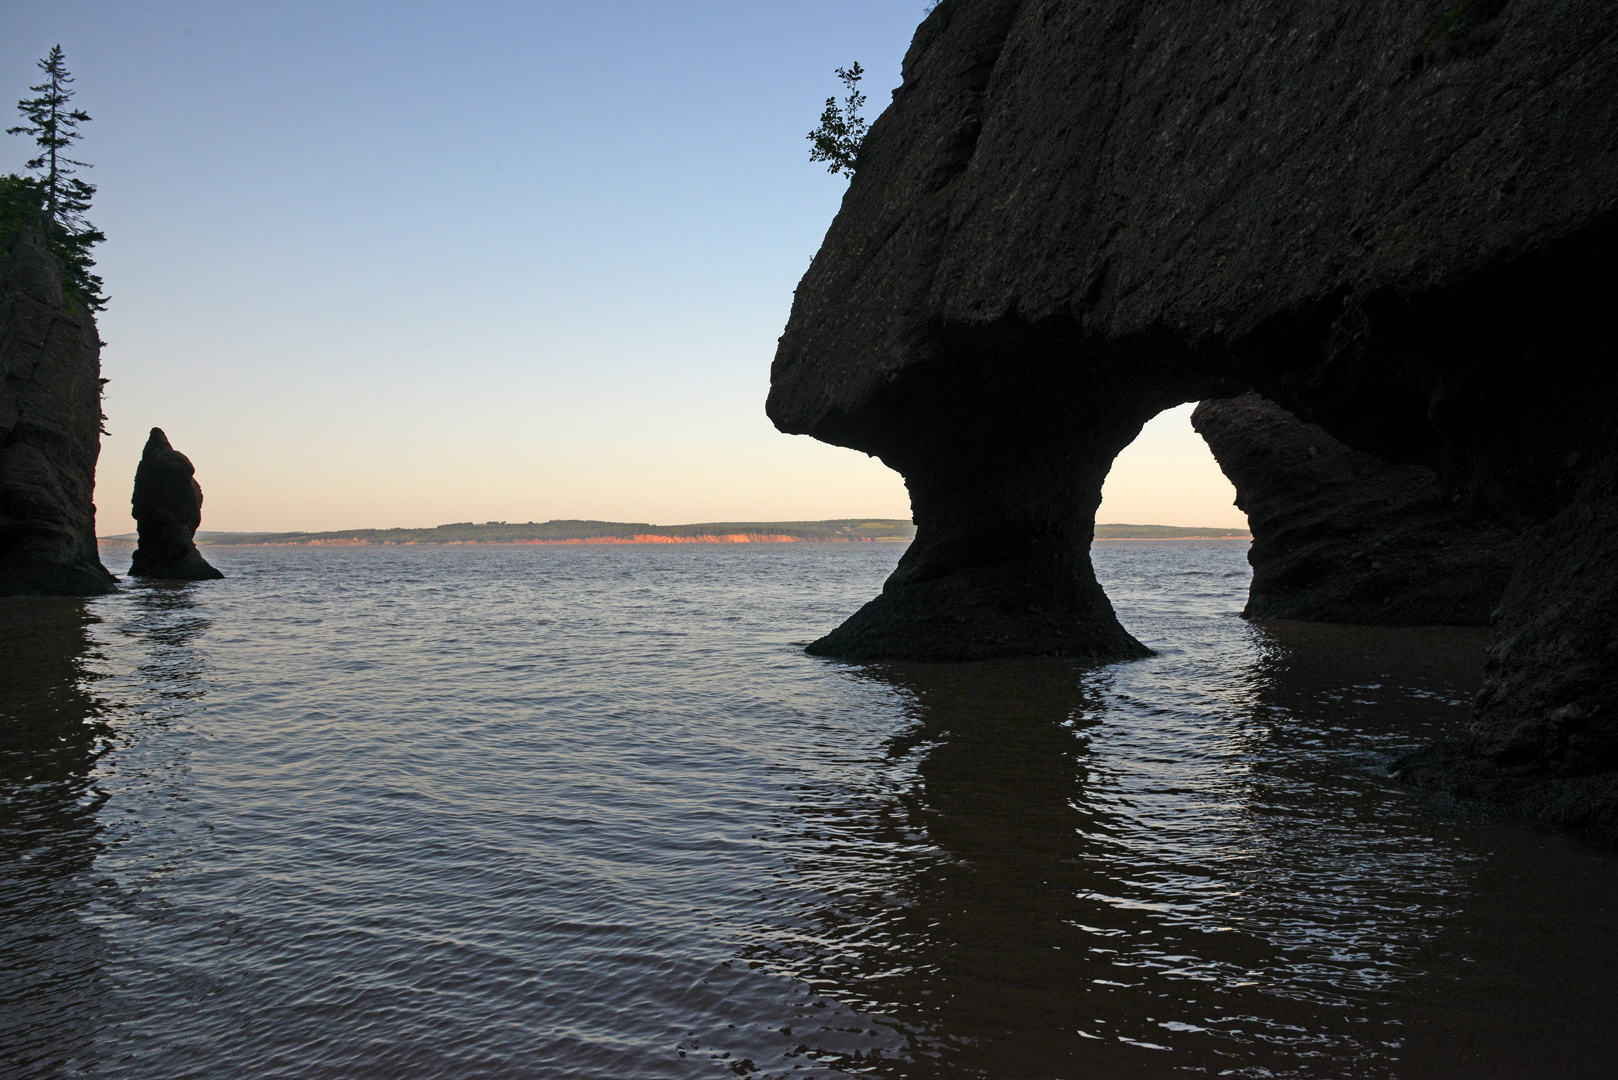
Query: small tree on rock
{"x": 61, "y": 197}
{"x": 842, "y": 130}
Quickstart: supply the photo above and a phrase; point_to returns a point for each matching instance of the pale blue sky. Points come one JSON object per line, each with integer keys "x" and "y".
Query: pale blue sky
{"x": 402, "y": 264}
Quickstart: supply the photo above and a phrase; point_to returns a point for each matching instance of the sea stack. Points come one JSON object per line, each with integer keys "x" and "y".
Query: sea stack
{"x": 168, "y": 509}
{"x": 50, "y": 428}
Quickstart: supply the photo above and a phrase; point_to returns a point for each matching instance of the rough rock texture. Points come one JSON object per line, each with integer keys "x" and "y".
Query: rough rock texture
{"x": 50, "y": 429}
{"x": 1544, "y": 739}
{"x": 1398, "y": 221}
{"x": 167, "y": 510}
{"x": 1341, "y": 536}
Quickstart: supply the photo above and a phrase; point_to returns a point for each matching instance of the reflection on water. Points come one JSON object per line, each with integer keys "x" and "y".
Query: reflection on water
{"x": 163, "y": 617}
{"x": 584, "y": 813}
{"x": 1058, "y": 886}
{"x": 61, "y": 718}
{"x": 52, "y": 733}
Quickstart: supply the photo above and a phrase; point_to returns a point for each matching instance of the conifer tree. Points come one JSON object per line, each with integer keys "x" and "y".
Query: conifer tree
{"x": 61, "y": 196}
{"x": 837, "y": 140}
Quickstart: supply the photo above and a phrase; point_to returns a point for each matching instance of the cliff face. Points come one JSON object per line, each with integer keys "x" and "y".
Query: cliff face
{"x": 50, "y": 429}
{"x": 167, "y": 507}
{"x": 1400, "y": 222}
{"x": 1341, "y": 536}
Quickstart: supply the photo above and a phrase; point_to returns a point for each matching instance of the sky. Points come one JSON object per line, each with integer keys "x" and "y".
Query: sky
{"x": 402, "y": 264}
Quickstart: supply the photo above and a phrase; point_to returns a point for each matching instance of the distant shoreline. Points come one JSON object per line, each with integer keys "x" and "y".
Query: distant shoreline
{"x": 1167, "y": 539}
{"x": 526, "y": 534}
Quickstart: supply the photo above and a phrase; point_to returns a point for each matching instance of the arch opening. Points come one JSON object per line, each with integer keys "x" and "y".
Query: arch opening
{"x": 1169, "y": 476}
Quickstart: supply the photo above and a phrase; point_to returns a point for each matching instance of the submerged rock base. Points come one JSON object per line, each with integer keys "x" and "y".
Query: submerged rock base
{"x": 1343, "y": 536}
{"x": 984, "y": 613}
{"x": 1587, "y": 805}
{"x": 168, "y": 510}
{"x": 1544, "y": 738}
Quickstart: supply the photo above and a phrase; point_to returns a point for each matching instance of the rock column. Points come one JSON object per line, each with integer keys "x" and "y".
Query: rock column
{"x": 168, "y": 509}
{"x": 1004, "y": 449}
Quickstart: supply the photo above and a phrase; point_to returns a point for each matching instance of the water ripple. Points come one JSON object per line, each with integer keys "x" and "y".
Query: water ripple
{"x": 591, "y": 812}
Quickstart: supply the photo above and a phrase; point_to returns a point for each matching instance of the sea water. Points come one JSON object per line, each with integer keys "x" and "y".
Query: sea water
{"x": 582, "y": 811}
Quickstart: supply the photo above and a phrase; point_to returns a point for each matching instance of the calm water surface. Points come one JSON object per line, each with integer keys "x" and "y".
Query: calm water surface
{"x": 591, "y": 812}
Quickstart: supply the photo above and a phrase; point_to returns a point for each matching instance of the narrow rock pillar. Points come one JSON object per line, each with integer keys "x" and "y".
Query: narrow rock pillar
{"x": 1005, "y": 477}
{"x": 168, "y": 510}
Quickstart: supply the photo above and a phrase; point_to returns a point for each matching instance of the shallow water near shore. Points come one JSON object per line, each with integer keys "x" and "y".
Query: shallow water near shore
{"x": 591, "y": 812}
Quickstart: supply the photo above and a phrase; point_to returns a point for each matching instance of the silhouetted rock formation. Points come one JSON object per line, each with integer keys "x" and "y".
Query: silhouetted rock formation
{"x": 1400, "y": 222}
{"x": 1544, "y": 739}
{"x": 168, "y": 509}
{"x": 50, "y": 429}
{"x": 1341, "y": 536}
{"x": 1003, "y": 492}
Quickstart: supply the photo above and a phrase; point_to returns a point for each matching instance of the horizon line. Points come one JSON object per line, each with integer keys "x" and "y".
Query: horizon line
{"x": 869, "y": 528}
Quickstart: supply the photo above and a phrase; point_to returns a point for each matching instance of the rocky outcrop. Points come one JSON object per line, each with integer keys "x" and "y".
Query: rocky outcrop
{"x": 1341, "y": 536}
{"x": 50, "y": 428}
{"x": 1399, "y": 222}
{"x": 1075, "y": 215}
{"x": 168, "y": 509}
{"x": 1544, "y": 739}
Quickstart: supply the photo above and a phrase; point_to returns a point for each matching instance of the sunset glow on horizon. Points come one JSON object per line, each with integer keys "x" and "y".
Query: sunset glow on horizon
{"x": 401, "y": 265}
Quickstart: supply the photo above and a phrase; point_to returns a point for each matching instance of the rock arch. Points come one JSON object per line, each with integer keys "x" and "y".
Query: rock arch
{"x": 1400, "y": 227}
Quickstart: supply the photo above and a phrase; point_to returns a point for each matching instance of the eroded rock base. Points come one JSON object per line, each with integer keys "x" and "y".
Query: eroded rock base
{"x": 1343, "y": 536}
{"x": 1004, "y": 443}
{"x": 1544, "y": 738}
{"x": 55, "y": 579}
{"x": 167, "y": 556}
{"x": 982, "y": 614}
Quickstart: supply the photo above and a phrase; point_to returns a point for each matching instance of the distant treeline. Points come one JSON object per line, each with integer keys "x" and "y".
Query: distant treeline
{"x": 629, "y": 532}
{"x": 1164, "y": 532}
{"x": 562, "y": 532}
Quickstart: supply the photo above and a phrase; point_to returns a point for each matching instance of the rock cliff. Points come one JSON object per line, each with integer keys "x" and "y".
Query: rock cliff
{"x": 167, "y": 507}
{"x": 1341, "y": 536}
{"x": 50, "y": 428}
{"x": 1398, "y": 221}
